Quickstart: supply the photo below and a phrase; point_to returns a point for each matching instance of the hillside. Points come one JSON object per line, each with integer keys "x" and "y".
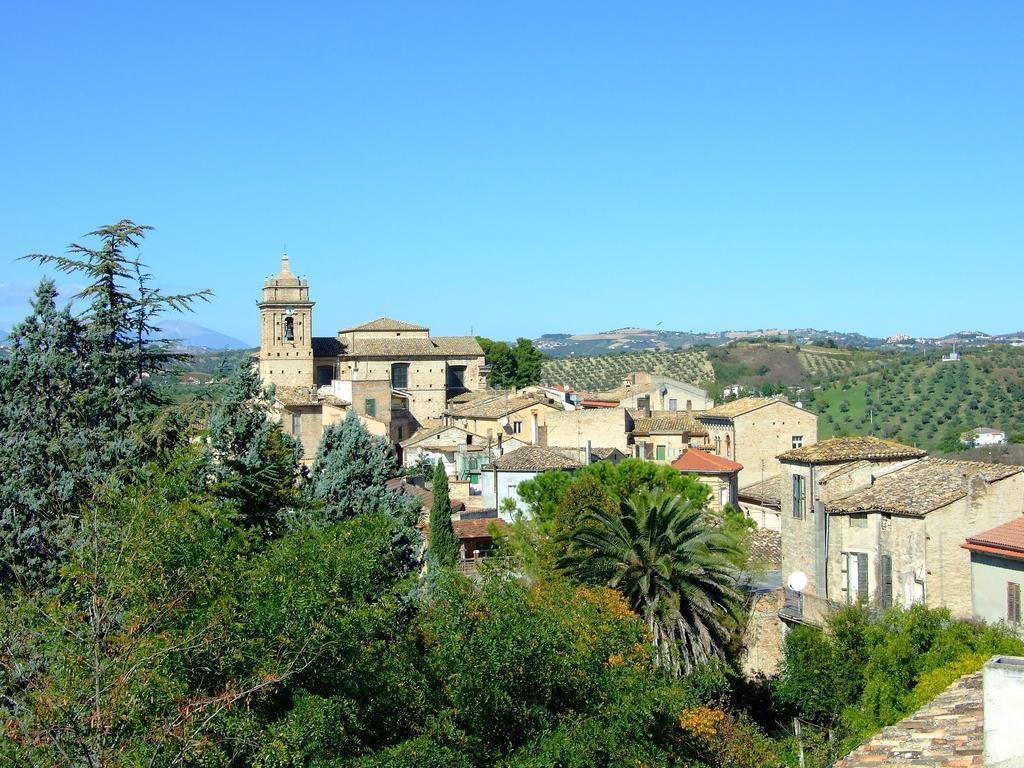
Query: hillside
{"x": 922, "y": 400}
{"x": 607, "y": 371}
{"x": 749, "y": 364}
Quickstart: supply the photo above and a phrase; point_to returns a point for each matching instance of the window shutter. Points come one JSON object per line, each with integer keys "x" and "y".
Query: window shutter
{"x": 862, "y": 578}
{"x": 1013, "y": 602}
{"x": 886, "y": 581}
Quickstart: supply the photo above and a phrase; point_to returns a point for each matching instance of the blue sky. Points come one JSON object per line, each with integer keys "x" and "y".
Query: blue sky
{"x": 523, "y": 168}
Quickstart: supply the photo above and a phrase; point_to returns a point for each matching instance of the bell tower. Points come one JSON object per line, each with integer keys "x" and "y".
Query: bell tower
{"x": 286, "y": 330}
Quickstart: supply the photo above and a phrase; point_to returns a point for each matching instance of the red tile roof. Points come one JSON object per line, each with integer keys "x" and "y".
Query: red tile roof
{"x": 477, "y": 529}
{"x": 705, "y": 463}
{"x": 1006, "y": 540}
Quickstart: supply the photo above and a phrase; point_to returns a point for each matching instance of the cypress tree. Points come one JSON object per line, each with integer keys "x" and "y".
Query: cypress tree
{"x": 443, "y": 546}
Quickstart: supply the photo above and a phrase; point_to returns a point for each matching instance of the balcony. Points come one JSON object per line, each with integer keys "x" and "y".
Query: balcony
{"x": 802, "y": 608}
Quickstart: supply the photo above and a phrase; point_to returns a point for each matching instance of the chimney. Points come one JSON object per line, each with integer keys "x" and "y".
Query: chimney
{"x": 1003, "y": 692}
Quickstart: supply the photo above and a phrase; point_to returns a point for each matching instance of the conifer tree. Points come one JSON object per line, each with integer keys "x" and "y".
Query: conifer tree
{"x": 45, "y": 445}
{"x": 256, "y": 464}
{"x": 443, "y": 546}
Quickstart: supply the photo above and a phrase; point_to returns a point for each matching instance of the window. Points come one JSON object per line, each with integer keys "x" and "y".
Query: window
{"x": 885, "y": 592}
{"x": 1013, "y": 602}
{"x": 289, "y": 329}
{"x": 324, "y": 375}
{"x": 798, "y": 496}
{"x": 400, "y": 376}
{"x": 689, "y": 405}
{"x": 643, "y": 403}
{"x": 718, "y": 444}
{"x": 399, "y": 433}
{"x": 370, "y": 407}
{"x": 660, "y": 452}
{"x": 856, "y": 577}
{"x": 456, "y": 377}
{"x": 859, "y": 521}
{"x": 723, "y": 496}
{"x": 798, "y": 441}
{"x": 728, "y": 447}
{"x": 517, "y": 427}
{"x": 296, "y": 424}
{"x": 673, "y": 404}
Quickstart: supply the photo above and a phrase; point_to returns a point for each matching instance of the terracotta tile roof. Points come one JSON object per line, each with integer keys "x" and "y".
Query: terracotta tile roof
{"x": 946, "y": 732}
{"x": 426, "y": 433}
{"x": 1006, "y": 540}
{"x": 478, "y": 528}
{"x": 296, "y": 396}
{"x": 921, "y": 487}
{"x": 411, "y": 346}
{"x": 705, "y": 463}
{"x": 599, "y": 403}
{"x": 476, "y": 394}
{"x": 385, "y": 324}
{"x": 399, "y": 485}
{"x": 738, "y": 407}
{"x": 666, "y": 423}
{"x": 851, "y": 449}
{"x": 767, "y": 492}
{"x": 495, "y": 406}
{"x": 533, "y": 458}
{"x": 326, "y": 346}
{"x": 766, "y": 549}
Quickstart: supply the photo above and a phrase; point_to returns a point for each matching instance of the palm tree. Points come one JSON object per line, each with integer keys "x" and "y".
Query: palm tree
{"x": 671, "y": 566}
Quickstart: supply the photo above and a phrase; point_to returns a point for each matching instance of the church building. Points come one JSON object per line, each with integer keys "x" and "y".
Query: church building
{"x": 395, "y": 375}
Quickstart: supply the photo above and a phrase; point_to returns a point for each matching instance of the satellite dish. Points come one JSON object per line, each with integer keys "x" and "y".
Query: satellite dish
{"x": 663, "y": 389}
{"x": 797, "y": 581}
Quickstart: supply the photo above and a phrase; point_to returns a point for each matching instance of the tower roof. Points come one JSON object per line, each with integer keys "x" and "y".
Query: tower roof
{"x": 284, "y": 278}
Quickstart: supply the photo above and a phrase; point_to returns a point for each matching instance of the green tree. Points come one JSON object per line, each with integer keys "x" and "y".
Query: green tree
{"x": 255, "y": 463}
{"x": 443, "y": 546}
{"x": 44, "y": 442}
{"x": 673, "y": 570}
{"x": 528, "y": 362}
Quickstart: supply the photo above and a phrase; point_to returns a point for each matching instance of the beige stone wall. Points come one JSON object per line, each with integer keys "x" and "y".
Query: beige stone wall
{"x": 718, "y": 484}
{"x": 948, "y": 577}
{"x": 674, "y": 446}
{"x": 927, "y": 558}
{"x": 762, "y": 434}
{"x": 798, "y": 534}
{"x": 428, "y": 379}
{"x": 309, "y": 420}
{"x": 685, "y": 400}
{"x": 603, "y": 427}
{"x": 763, "y": 636}
{"x": 490, "y": 428}
{"x": 766, "y": 517}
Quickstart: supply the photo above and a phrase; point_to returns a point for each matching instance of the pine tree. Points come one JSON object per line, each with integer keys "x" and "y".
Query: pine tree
{"x": 255, "y": 463}
{"x": 46, "y": 449}
{"x": 443, "y": 545}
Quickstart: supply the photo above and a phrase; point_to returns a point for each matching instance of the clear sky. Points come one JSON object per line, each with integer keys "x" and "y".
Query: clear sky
{"x": 531, "y": 167}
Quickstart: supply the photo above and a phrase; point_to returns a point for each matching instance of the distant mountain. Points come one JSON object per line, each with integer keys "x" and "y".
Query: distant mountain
{"x": 193, "y": 337}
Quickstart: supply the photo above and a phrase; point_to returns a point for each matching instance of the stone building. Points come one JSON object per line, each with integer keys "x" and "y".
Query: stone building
{"x": 651, "y": 391}
{"x": 812, "y": 476}
{"x": 390, "y": 372}
{"x": 997, "y": 572}
{"x": 872, "y": 521}
{"x": 717, "y": 473}
{"x": 755, "y": 430}
{"x": 663, "y": 436}
{"x": 505, "y": 413}
{"x": 502, "y": 477}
